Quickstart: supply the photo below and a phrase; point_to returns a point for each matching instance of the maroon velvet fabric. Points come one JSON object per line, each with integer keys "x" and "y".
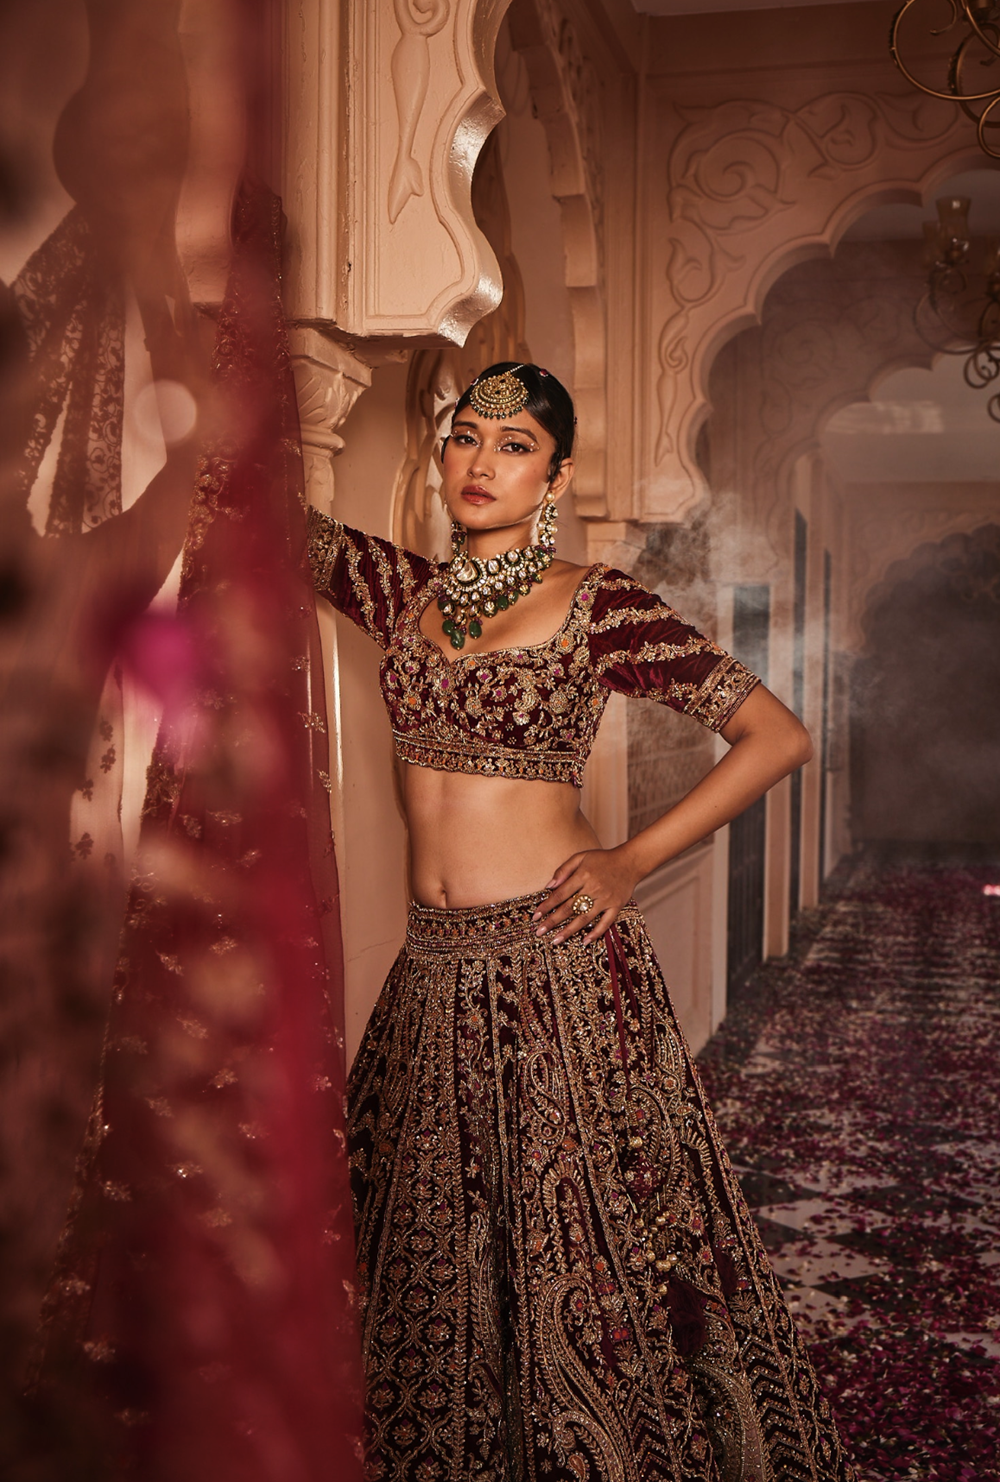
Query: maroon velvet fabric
{"x": 528, "y": 712}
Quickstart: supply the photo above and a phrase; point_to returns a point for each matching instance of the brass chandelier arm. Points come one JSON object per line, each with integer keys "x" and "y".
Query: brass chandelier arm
{"x": 977, "y": 29}
{"x": 983, "y": 34}
{"x": 948, "y": 323}
{"x": 952, "y": 94}
{"x": 986, "y": 122}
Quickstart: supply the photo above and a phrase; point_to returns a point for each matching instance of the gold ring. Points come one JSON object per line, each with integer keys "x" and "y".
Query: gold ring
{"x": 582, "y": 904}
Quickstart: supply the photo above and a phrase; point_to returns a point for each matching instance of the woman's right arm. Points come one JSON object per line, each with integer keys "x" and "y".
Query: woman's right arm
{"x": 368, "y": 579}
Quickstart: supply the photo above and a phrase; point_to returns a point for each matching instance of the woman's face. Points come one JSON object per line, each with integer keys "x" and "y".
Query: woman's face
{"x": 496, "y": 474}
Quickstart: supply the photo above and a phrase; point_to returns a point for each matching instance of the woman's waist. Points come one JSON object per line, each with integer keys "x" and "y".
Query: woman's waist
{"x": 466, "y": 851}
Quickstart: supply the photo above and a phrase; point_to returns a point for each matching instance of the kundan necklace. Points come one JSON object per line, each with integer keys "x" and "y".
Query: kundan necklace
{"x": 474, "y": 588}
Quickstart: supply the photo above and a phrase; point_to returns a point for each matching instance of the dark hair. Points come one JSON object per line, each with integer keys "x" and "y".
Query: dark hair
{"x": 548, "y": 402}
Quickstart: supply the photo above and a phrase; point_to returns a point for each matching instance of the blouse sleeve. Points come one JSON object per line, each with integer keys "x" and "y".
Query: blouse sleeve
{"x": 368, "y": 579}
{"x": 641, "y": 648}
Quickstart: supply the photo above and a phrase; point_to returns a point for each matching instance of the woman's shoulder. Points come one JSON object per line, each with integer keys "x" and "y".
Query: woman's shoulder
{"x": 616, "y": 590}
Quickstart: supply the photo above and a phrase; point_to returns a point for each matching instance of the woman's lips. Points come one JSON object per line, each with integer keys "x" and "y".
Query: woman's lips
{"x": 476, "y": 496}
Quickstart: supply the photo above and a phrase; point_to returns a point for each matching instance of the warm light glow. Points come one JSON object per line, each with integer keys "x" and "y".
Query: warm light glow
{"x": 164, "y": 409}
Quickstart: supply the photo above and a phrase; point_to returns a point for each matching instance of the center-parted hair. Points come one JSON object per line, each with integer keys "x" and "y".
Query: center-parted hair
{"x": 548, "y": 402}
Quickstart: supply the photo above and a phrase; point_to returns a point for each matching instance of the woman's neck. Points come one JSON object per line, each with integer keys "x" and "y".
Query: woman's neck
{"x": 487, "y": 543}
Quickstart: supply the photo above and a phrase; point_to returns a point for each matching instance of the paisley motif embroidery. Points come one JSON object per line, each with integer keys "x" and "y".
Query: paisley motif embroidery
{"x": 560, "y": 1279}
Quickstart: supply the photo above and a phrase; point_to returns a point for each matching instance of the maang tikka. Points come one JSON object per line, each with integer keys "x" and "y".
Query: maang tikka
{"x": 499, "y": 396}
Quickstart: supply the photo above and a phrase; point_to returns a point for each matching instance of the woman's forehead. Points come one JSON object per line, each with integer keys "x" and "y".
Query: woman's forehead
{"x": 521, "y": 422}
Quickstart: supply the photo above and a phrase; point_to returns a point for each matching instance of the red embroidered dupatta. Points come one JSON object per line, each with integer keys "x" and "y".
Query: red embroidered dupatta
{"x": 200, "y": 1321}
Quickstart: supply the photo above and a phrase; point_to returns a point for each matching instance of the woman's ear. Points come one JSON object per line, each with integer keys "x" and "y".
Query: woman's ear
{"x": 561, "y": 482}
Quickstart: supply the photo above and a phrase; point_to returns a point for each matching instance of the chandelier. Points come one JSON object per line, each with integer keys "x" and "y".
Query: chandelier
{"x": 959, "y": 313}
{"x": 976, "y": 52}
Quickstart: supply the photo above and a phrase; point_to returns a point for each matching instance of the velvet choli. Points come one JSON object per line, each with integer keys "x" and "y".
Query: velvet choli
{"x": 528, "y": 712}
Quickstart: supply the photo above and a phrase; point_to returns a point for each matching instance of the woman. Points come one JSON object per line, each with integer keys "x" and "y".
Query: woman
{"x": 559, "y": 1276}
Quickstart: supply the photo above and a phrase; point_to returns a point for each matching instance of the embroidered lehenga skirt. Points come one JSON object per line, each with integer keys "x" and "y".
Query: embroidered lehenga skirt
{"x": 560, "y": 1278}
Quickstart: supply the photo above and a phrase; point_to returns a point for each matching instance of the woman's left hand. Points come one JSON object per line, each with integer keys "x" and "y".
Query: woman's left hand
{"x": 605, "y": 877}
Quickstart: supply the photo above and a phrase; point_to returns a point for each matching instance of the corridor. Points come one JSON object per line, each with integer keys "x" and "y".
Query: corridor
{"x": 856, "y": 1082}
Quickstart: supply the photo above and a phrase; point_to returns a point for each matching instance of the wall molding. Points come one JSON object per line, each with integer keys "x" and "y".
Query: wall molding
{"x": 566, "y": 93}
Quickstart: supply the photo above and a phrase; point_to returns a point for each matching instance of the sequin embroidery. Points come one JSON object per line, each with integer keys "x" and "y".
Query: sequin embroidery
{"x": 529, "y": 712}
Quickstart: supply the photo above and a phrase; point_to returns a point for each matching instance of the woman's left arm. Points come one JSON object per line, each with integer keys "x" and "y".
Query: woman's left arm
{"x": 766, "y": 742}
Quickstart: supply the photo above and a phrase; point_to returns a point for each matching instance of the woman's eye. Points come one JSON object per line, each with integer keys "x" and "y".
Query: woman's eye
{"x": 464, "y": 438}
{"x": 515, "y": 447}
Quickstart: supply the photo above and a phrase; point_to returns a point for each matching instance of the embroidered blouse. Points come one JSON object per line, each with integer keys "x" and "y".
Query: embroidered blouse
{"x": 528, "y": 712}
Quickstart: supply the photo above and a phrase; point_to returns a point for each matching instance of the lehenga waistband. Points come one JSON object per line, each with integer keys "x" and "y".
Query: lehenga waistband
{"x": 478, "y": 928}
{"x": 443, "y": 929}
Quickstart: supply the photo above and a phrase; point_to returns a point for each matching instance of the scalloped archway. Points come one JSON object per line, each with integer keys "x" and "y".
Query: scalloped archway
{"x": 754, "y": 189}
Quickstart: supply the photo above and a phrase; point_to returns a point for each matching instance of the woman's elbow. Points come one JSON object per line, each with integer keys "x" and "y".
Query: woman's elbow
{"x": 800, "y": 747}
{"x": 774, "y": 729}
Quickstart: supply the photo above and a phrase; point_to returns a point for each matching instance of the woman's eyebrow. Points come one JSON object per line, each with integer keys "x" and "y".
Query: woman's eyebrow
{"x": 474, "y": 427}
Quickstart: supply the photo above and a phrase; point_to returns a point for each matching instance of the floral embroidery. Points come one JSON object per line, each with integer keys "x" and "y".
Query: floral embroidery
{"x": 528, "y": 712}
{"x": 560, "y": 1277}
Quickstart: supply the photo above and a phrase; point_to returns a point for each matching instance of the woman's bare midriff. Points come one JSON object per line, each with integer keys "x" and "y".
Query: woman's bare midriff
{"x": 475, "y": 840}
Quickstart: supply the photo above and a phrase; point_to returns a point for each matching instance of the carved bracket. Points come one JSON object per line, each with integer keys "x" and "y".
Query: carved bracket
{"x": 379, "y": 173}
{"x": 753, "y": 187}
{"x": 328, "y": 381}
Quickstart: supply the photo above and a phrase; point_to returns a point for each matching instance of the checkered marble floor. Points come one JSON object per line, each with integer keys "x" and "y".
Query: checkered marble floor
{"x": 857, "y": 1084}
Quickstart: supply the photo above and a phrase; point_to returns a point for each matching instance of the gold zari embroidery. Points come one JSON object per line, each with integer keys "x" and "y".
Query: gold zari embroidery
{"x": 529, "y": 712}
{"x": 559, "y": 1277}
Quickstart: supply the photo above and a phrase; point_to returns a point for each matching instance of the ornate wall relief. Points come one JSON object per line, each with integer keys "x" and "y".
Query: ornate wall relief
{"x": 750, "y": 188}
{"x": 379, "y": 158}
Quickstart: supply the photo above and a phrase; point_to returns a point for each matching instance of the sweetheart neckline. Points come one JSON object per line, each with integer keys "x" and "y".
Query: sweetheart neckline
{"x": 492, "y": 653}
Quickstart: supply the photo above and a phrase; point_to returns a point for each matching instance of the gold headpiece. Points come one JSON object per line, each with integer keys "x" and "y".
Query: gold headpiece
{"x": 499, "y": 396}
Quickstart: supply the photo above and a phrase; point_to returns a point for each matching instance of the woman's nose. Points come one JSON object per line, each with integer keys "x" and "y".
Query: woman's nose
{"x": 481, "y": 463}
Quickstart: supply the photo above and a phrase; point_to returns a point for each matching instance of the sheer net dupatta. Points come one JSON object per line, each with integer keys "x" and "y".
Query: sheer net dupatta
{"x": 204, "y": 1285}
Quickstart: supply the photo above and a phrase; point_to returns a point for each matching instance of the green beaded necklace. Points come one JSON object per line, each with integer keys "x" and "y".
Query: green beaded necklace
{"x": 474, "y": 588}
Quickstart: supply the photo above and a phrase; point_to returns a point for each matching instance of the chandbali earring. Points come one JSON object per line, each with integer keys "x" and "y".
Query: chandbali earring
{"x": 547, "y": 523}
{"x": 459, "y": 535}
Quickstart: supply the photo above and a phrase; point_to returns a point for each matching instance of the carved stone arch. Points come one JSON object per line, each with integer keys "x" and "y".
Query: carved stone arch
{"x": 565, "y": 96}
{"x": 387, "y": 104}
{"x": 438, "y": 376}
{"x": 892, "y": 540}
{"x": 753, "y": 190}
{"x": 829, "y": 330}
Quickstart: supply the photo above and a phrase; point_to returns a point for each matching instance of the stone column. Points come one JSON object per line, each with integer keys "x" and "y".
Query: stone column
{"x": 328, "y": 381}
